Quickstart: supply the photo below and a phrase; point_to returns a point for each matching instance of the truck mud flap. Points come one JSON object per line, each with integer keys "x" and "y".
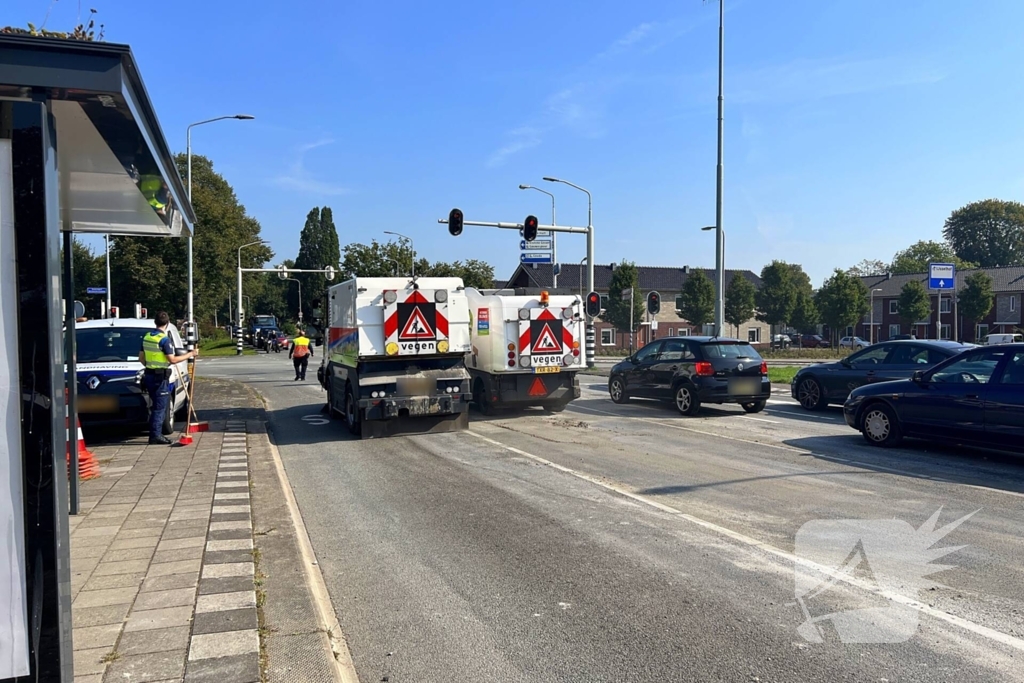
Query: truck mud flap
{"x": 432, "y": 424}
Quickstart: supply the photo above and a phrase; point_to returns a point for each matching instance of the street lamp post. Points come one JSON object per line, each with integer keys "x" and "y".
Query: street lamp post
{"x": 719, "y": 279}
{"x": 591, "y": 343}
{"x": 109, "y": 295}
{"x": 412, "y": 248}
{"x": 720, "y": 232}
{"x": 871, "y": 325}
{"x": 241, "y": 311}
{"x": 554, "y": 243}
{"x": 188, "y": 154}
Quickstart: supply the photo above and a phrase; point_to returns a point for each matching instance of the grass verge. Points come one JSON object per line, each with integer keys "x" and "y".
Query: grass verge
{"x": 222, "y": 347}
{"x": 783, "y": 374}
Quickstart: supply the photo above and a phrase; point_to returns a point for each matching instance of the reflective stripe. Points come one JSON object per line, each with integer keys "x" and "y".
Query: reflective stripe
{"x": 153, "y": 356}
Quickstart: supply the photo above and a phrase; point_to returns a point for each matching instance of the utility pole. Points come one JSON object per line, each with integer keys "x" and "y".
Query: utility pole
{"x": 719, "y": 230}
{"x": 109, "y": 296}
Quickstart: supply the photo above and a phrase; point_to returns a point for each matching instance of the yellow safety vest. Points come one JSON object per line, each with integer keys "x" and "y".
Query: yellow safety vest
{"x": 300, "y": 347}
{"x": 151, "y": 186}
{"x": 153, "y": 356}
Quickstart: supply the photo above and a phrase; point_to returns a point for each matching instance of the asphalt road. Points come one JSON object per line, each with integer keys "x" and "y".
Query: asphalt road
{"x": 627, "y": 543}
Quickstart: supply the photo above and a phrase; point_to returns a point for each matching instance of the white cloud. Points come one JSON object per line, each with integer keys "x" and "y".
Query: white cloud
{"x": 298, "y": 178}
{"x": 524, "y": 138}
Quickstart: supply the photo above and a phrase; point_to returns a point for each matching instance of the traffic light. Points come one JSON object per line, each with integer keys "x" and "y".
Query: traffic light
{"x": 593, "y": 305}
{"x": 530, "y": 228}
{"x": 455, "y": 222}
{"x": 653, "y": 303}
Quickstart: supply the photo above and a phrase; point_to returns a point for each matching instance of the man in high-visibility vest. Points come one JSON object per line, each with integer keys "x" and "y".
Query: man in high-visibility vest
{"x": 158, "y": 354}
{"x": 300, "y": 353}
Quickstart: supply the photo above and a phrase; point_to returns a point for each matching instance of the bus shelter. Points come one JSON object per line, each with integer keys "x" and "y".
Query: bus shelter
{"x": 80, "y": 151}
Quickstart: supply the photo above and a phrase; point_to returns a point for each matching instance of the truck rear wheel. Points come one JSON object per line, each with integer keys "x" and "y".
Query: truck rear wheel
{"x": 352, "y": 412}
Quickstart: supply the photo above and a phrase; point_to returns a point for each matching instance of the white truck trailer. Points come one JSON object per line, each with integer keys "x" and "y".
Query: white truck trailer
{"x": 527, "y": 348}
{"x": 395, "y": 355}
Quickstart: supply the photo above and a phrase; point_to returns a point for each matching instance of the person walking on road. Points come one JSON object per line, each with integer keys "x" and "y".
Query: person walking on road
{"x": 157, "y": 356}
{"x": 300, "y": 353}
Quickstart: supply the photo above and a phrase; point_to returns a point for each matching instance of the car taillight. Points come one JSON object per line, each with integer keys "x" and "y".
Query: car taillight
{"x": 704, "y": 369}
{"x": 764, "y": 367}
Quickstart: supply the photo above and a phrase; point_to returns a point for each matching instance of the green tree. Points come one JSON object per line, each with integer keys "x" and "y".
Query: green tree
{"x": 625, "y": 276}
{"x": 739, "y": 301}
{"x": 376, "y": 259}
{"x": 153, "y": 271}
{"x": 867, "y": 268}
{"x": 318, "y": 248}
{"x": 805, "y": 314}
{"x": 989, "y": 233}
{"x": 780, "y": 283}
{"x": 841, "y": 301}
{"x": 697, "y": 299}
{"x": 916, "y": 257}
{"x": 977, "y": 297}
{"x": 89, "y": 270}
{"x": 914, "y": 302}
{"x": 474, "y": 273}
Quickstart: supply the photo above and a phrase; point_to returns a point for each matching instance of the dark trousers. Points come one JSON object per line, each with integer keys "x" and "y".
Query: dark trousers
{"x": 300, "y": 367}
{"x": 159, "y": 396}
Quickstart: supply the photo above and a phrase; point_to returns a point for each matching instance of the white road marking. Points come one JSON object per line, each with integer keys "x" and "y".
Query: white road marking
{"x": 759, "y": 419}
{"x": 871, "y": 587}
{"x": 802, "y": 451}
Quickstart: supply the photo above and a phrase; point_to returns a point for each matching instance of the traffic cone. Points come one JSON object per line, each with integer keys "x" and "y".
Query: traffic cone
{"x": 88, "y": 466}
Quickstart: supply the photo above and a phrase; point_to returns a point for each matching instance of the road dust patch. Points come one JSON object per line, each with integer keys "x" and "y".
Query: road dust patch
{"x": 569, "y": 424}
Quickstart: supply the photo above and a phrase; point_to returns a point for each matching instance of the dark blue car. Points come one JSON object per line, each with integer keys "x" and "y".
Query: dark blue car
{"x": 976, "y": 397}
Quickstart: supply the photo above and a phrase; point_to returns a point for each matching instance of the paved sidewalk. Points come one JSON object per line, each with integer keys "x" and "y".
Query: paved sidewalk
{"x": 162, "y": 555}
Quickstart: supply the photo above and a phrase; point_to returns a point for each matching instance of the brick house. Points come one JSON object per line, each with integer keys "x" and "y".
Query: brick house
{"x": 1005, "y": 316}
{"x": 666, "y": 281}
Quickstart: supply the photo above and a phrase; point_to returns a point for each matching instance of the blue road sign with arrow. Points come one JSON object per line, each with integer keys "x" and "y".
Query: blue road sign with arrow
{"x": 941, "y": 275}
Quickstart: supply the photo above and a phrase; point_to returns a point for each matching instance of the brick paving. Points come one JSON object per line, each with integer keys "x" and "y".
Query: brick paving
{"x": 162, "y": 564}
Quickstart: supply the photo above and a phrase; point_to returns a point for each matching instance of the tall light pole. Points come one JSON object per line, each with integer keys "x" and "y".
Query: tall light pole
{"x": 554, "y": 244}
{"x": 591, "y": 343}
{"x": 719, "y": 283}
{"x": 871, "y": 327}
{"x": 241, "y": 311}
{"x": 412, "y": 247}
{"x": 188, "y": 154}
{"x": 720, "y": 233}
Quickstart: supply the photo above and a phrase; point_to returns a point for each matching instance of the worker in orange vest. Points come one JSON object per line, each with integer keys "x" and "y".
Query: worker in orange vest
{"x": 300, "y": 353}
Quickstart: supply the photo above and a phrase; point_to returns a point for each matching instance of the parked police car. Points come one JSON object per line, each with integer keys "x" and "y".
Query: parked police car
{"x": 110, "y": 385}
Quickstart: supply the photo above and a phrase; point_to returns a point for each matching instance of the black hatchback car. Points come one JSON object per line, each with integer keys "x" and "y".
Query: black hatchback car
{"x": 816, "y": 386}
{"x": 975, "y": 397}
{"x": 690, "y": 371}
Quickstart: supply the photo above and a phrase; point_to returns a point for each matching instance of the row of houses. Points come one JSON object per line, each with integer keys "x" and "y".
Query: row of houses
{"x": 883, "y": 324}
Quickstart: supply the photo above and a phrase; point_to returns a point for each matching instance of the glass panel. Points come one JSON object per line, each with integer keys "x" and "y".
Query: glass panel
{"x": 871, "y": 356}
{"x": 109, "y": 344}
{"x": 1014, "y": 372}
{"x": 648, "y": 352}
{"x": 971, "y": 369}
{"x": 674, "y": 349}
{"x": 730, "y": 350}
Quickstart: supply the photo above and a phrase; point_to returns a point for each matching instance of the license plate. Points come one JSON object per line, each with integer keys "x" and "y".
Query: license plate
{"x": 745, "y": 387}
{"x": 97, "y": 404}
{"x": 546, "y": 370}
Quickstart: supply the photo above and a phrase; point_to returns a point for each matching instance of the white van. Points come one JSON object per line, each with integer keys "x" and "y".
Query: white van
{"x": 1004, "y": 339}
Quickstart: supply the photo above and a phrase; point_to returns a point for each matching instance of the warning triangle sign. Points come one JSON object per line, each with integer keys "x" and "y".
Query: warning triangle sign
{"x": 538, "y": 388}
{"x": 547, "y": 342}
{"x": 417, "y": 326}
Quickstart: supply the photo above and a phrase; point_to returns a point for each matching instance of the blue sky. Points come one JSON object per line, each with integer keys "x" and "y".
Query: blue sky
{"x": 853, "y": 127}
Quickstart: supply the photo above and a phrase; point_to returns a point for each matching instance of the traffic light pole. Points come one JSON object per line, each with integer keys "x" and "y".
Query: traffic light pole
{"x": 588, "y": 231}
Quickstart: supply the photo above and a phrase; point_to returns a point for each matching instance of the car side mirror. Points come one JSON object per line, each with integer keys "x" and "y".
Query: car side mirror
{"x": 846, "y": 363}
{"x": 918, "y": 377}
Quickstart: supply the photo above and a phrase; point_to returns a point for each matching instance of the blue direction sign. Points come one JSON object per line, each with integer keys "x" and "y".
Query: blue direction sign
{"x": 95, "y": 290}
{"x": 941, "y": 275}
{"x": 535, "y": 257}
{"x": 536, "y": 245}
